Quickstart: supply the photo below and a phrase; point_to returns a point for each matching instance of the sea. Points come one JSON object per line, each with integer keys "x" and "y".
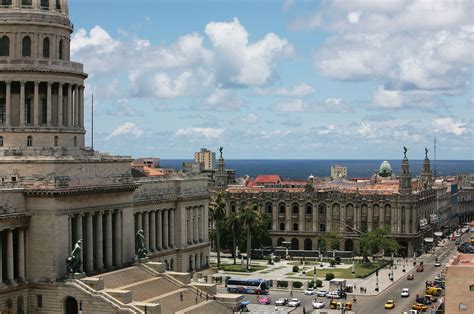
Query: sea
{"x": 300, "y": 169}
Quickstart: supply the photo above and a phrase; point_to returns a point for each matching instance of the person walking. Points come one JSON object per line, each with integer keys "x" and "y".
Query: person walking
{"x": 181, "y": 296}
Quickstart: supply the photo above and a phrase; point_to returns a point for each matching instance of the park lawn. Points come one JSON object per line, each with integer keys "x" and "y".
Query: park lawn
{"x": 239, "y": 268}
{"x": 361, "y": 271}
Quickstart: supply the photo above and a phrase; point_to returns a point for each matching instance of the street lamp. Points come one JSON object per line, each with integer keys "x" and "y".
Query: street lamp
{"x": 353, "y": 265}
{"x": 314, "y": 277}
{"x": 377, "y": 280}
{"x": 404, "y": 264}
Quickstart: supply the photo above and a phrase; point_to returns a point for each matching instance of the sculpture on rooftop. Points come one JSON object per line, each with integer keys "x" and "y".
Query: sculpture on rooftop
{"x": 74, "y": 262}
{"x": 426, "y": 153}
{"x": 405, "y": 149}
{"x": 220, "y": 150}
{"x": 141, "y": 252}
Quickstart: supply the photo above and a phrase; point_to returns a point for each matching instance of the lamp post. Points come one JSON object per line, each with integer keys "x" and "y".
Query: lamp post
{"x": 353, "y": 265}
{"x": 414, "y": 257}
{"x": 314, "y": 277}
{"x": 404, "y": 264}
{"x": 377, "y": 280}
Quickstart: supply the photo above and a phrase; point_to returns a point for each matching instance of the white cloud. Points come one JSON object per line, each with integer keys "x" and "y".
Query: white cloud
{"x": 294, "y": 105}
{"x": 387, "y": 98}
{"x": 123, "y": 109}
{"x": 331, "y": 104}
{"x": 196, "y": 133}
{"x": 274, "y": 133}
{"x": 223, "y": 100}
{"x": 251, "y": 118}
{"x": 128, "y": 128}
{"x": 353, "y": 17}
{"x": 300, "y": 90}
{"x": 97, "y": 39}
{"x": 448, "y": 125}
{"x": 288, "y": 4}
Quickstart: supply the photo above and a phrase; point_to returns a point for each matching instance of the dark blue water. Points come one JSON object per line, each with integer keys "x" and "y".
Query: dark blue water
{"x": 301, "y": 169}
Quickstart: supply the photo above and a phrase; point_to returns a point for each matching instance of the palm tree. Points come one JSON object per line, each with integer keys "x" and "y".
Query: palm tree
{"x": 250, "y": 221}
{"x": 234, "y": 221}
{"x": 217, "y": 214}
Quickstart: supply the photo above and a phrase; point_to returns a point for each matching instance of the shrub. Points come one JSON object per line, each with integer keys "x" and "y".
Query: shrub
{"x": 338, "y": 260}
{"x": 282, "y": 283}
{"x": 297, "y": 284}
{"x": 332, "y": 262}
{"x": 319, "y": 284}
{"x": 296, "y": 269}
{"x": 330, "y": 276}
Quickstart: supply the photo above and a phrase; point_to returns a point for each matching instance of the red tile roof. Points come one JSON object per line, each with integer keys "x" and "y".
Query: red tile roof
{"x": 268, "y": 178}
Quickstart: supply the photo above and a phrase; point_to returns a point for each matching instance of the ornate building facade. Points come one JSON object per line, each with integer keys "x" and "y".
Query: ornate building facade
{"x": 303, "y": 213}
{"x": 55, "y": 191}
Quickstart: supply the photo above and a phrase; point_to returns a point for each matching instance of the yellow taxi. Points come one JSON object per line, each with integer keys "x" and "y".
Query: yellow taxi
{"x": 419, "y": 307}
{"x": 390, "y": 304}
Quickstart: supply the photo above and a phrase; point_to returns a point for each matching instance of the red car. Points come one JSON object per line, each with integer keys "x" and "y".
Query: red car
{"x": 265, "y": 300}
{"x": 420, "y": 268}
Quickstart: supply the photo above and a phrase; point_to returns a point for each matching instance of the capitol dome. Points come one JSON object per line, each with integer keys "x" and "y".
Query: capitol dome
{"x": 385, "y": 169}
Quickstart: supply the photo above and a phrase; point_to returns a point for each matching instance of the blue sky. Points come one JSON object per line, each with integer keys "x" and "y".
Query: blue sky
{"x": 279, "y": 79}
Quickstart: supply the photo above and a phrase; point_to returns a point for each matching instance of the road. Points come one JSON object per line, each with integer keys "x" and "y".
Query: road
{"x": 375, "y": 304}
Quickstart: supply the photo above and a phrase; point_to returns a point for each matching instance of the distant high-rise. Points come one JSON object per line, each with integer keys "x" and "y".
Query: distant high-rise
{"x": 206, "y": 157}
{"x": 338, "y": 171}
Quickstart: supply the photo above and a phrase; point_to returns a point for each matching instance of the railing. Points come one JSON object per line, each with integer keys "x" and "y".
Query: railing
{"x": 46, "y": 64}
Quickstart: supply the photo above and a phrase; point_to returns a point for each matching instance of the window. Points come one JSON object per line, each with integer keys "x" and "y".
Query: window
{"x": 44, "y": 111}
{"x": 309, "y": 209}
{"x": 1, "y": 141}
{"x": 46, "y": 47}
{"x": 3, "y": 111}
{"x": 29, "y": 141}
{"x": 281, "y": 209}
{"x": 58, "y": 5}
{"x": 45, "y": 4}
{"x": 295, "y": 227}
{"x": 4, "y": 46}
{"x": 295, "y": 209}
{"x": 27, "y": 111}
{"x": 322, "y": 228}
{"x": 61, "y": 48}
{"x": 282, "y": 227}
{"x": 56, "y": 140}
{"x": 75, "y": 141}
{"x": 6, "y": 2}
{"x": 26, "y": 3}
{"x": 39, "y": 301}
{"x": 26, "y": 47}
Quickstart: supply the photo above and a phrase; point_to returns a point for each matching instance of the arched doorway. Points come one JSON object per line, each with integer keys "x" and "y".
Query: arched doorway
{"x": 19, "y": 305}
{"x": 201, "y": 260}
{"x": 349, "y": 245}
{"x": 295, "y": 244}
{"x": 403, "y": 251}
{"x": 70, "y": 306}
{"x": 308, "y": 244}
{"x": 280, "y": 241}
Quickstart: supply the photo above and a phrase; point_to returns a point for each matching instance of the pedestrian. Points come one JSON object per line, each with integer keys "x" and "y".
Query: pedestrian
{"x": 196, "y": 298}
{"x": 354, "y": 299}
{"x": 360, "y": 288}
{"x": 207, "y": 297}
{"x": 181, "y": 296}
{"x": 291, "y": 293}
{"x": 304, "y": 310}
{"x": 276, "y": 308}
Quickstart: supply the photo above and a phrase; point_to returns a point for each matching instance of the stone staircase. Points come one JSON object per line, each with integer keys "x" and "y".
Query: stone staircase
{"x": 135, "y": 288}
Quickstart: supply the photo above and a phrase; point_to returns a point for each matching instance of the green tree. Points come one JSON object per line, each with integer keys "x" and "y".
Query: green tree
{"x": 234, "y": 223}
{"x": 217, "y": 214}
{"x": 250, "y": 221}
{"x": 373, "y": 241}
{"x": 332, "y": 240}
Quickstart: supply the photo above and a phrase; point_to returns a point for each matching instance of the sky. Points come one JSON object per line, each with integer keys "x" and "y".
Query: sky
{"x": 268, "y": 79}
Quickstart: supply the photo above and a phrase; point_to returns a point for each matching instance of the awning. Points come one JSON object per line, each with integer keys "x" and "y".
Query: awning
{"x": 429, "y": 240}
{"x": 438, "y": 234}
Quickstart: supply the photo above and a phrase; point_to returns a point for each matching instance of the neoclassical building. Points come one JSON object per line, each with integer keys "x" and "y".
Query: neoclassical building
{"x": 302, "y": 212}
{"x": 55, "y": 191}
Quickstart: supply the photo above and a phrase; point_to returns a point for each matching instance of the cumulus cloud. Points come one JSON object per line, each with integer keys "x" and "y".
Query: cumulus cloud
{"x": 223, "y": 100}
{"x": 97, "y": 39}
{"x": 199, "y": 133}
{"x": 128, "y": 128}
{"x": 274, "y": 133}
{"x": 300, "y": 90}
{"x": 448, "y": 125}
{"x": 251, "y": 118}
{"x": 331, "y": 104}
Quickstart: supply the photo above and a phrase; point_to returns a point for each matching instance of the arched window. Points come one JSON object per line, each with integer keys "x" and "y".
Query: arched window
{"x": 61, "y": 49}
{"x": 268, "y": 208}
{"x": 322, "y": 227}
{"x": 1, "y": 141}
{"x": 46, "y": 47}
{"x": 4, "y": 46}
{"x": 308, "y": 244}
{"x": 282, "y": 226}
{"x": 70, "y": 305}
{"x": 26, "y": 3}
{"x": 6, "y": 2}
{"x": 309, "y": 209}
{"x": 75, "y": 141}
{"x": 45, "y": 4}
{"x": 281, "y": 208}
{"x": 56, "y": 140}
{"x": 58, "y": 5}
{"x": 280, "y": 241}
{"x": 295, "y": 244}
{"x": 26, "y": 47}
{"x": 295, "y": 209}
{"x": 295, "y": 227}
{"x": 232, "y": 207}
{"x": 29, "y": 141}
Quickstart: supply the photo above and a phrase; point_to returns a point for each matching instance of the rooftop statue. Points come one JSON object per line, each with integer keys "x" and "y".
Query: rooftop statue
{"x": 426, "y": 153}
{"x": 141, "y": 252}
{"x": 74, "y": 262}
{"x": 220, "y": 150}
{"x": 405, "y": 149}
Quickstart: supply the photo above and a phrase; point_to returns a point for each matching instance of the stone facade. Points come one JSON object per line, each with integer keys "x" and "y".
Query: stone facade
{"x": 54, "y": 191}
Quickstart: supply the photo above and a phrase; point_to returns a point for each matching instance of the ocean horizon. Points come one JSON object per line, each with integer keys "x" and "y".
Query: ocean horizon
{"x": 300, "y": 169}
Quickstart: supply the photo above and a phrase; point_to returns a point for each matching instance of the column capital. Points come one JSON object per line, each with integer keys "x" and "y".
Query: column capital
{"x": 36, "y": 82}
{"x": 8, "y": 82}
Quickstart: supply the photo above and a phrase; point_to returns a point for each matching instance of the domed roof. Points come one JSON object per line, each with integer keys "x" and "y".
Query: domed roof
{"x": 385, "y": 169}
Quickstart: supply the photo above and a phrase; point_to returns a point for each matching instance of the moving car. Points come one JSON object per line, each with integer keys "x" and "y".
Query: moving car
{"x": 265, "y": 300}
{"x": 281, "y": 301}
{"x": 318, "y": 304}
{"x": 333, "y": 295}
{"x": 412, "y": 312}
{"x": 410, "y": 277}
{"x": 294, "y": 302}
{"x": 390, "y": 304}
{"x": 419, "y": 307}
{"x": 405, "y": 293}
{"x": 310, "y": 291}
{"x": 321, "y": 293}
{"x": 437, "y": 263}
{"x": 420, "y": 268}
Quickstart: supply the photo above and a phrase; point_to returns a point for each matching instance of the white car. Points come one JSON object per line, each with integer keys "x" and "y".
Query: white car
{"x": 437, "y": 264}
{"x": 318, "y": 304}
{"x": 333, "y": 295}
{"x": 294, "y": 302}
{"x": 405, "y": 293}
{"x": 310, "y": 291}
{"x": 281, "y": 301}
{"x": 321, "y": 293}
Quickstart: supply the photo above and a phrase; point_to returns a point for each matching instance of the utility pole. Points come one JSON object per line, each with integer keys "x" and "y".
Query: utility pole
{"x": 435, "y": 157}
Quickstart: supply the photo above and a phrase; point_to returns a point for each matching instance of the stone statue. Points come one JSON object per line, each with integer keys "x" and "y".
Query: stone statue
{"x": 405, "y": 149}
{"x": 141, "y": 252}
{"x": 74, "y": 262}
{"x": 220, "y": 150}
{"x": 426, "y": 153}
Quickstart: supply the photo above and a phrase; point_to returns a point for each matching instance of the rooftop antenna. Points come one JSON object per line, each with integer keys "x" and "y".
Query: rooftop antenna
{"x": 92, "y": 123}
{"x": 435, "y": 157}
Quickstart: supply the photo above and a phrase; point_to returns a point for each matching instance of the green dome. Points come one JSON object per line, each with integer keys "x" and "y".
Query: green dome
{"x": 385, "y": 169}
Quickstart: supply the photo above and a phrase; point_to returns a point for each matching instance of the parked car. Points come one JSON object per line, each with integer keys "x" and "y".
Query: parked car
{"x": 321, "y": 293}
{"x": 437, "y": 263}
{"x": 410, "y": 277}
{"x": 318, "y": 304}
{"x": 281, "y": 301}
{"x": 405, "y": 293}
{"x": 333, "y": 295}
{"x": 419, "y": 307}
{"x": 423, "y": 300}
{"x": 265, "y": 300}
{"x": 412, "y": 312}
{"x": 390, "y": 304}
{"x": 310, "y": 291}
{"x": 294, "y": 302}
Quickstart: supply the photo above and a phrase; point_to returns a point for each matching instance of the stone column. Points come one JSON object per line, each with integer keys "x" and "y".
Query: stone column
{"x": 329, "y": 218}
{"x": 302, "y": 218}
{"x": 172, "y": 223}
{"x": 69, "y": 105}
{"x": 139, "y": 221}
{"x": 79, "y": 235}
{"x": 108, "y": 239}
{"x": 21, "y": 254}
{"x": 118, "y": 239}
{"x": 274, "y": 216}
{"x": 10, "y": 266}
{"x": 195, "y": 224}
{"x": 159, "y": 230}
{"x": 288, "y": 225}
{"x": 315, "y": 217}
{"x": 99, "y": 248}
{"x": 48, "y": 104}
{"x": 69, "y": 234}
{"x": 407, "y": 221}
{"x": 146, "y": 230}
{"x": 22, "y": 104}
{"x": 381, "y": 216}
{"x": 152, "y": 231}
{"x": 60, "y": 104}
{"x": 370, "y": 214}
{"x": 89, "y": 244}
{"x": 8, "y": 104}
{"x": 81, "y": 106}
{"x": 188, "y": 225}
{"x": 36, "y": 107}
{"x": 76, "y": 106}
{"x": 206, "y": 222}
{"x": 165, "y": 229}
{"x": 1, "y": 258}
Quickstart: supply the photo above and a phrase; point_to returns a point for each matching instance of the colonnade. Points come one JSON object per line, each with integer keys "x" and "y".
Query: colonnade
{"x": 195, "y": 224}
{"x": 158, "y": 227}
{"x": 101, "y": 234}
{"x": 12, "y": 242}
{"x": 40, "y": 103}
